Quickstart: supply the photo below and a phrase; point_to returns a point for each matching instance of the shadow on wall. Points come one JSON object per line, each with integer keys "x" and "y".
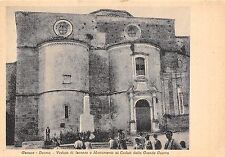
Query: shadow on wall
{"x": 10, "y": 126}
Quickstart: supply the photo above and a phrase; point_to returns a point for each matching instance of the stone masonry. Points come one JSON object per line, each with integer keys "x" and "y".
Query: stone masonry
{"x": 61, "y": 57}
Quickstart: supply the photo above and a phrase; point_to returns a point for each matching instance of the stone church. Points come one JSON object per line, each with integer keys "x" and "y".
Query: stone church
{"x": 135, "y": 70}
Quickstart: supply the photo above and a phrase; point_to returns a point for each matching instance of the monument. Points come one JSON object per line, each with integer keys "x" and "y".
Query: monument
{"x": 86, "y": 119}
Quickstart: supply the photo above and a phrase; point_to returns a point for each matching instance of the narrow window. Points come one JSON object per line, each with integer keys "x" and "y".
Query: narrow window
{"x": 66, "y": 111}
{"x": 156, "y": 100}
{"x": 140, "y": 66}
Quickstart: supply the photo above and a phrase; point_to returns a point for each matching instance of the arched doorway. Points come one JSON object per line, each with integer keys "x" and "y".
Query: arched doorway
{"x": 143, "y": 119}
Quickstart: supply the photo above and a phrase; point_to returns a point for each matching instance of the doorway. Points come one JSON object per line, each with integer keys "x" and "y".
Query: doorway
{"x": 143, "y": 119}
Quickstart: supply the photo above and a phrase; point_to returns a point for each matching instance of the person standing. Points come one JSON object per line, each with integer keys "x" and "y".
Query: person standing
{"x": 91, "y": 136}
{"x": 47, "y": 131}
{"x": 78, "y": 144}
{"x": 138, "y": 144}
{"x": 157, "y": 144}
{"x": 113, "y": 143}
{"x": 121, "y": 140}
{"x": 87, "y": 144}
{"x": 83, "y": 139}
{"x": 183, "y": 145}
{"x": 142, "y": 139}
{"x": 171, "y": 144}
{"x": 61, "y": 137}
{"x": 55, "y": 140}
{"x": 148, "y": 143}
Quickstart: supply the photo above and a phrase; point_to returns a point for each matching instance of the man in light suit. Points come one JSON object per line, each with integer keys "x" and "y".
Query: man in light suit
{"x": 171, "y": 144}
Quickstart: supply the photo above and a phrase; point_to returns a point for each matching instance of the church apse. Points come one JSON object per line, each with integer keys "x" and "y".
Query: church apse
{"x": 122, "y": 62}
{"x": 64, "y": 79}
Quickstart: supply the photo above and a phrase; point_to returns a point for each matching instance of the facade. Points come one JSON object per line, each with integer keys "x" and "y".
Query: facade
{"x": 135, "y": 70}
{"x": 10, "y": 102}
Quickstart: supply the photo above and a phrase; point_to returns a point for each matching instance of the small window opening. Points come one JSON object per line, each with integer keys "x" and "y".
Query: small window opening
{"x": 66, "y": 112}
{"x": 66, "y": 79}
{"x": 140, "y": 66}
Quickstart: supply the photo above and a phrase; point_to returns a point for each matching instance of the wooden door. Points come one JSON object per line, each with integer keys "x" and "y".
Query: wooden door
{"x": 143, "y": 116}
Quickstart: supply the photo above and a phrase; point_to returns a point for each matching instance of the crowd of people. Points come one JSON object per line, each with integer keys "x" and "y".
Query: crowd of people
{"x": 84, "y": 141}
{"x": 120, "y": 141}
{"x": 142, "y": 142}
{"x": 171, "y": 144}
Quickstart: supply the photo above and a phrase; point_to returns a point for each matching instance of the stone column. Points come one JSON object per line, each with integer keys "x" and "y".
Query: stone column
{"x": 162, "y": 98}
{"x": 154, "y": 106}
{"x": 155, "y": 125}
{"x": 175, "y": 101}
{"x": 152, "y": 117}
{"x": 132, "y": 116}
{"x": 166, "y": 94}
{"x": 135, "y": 118}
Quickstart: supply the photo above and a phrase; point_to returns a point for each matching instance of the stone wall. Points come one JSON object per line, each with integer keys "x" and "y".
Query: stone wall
{"x": 64, "y": 79}
{"x": 103, "y": 68}
{"x": 35, "y": 28}
{"x": 27, "y": 85}
{"x": 10, "y": 101}
{"x": 99, "y": 72}
{"x": 121, "y": 73}
{"x": 64, "y": 66}
{"x": 178, "y": 123}
{"x": 156, "y": 31}
{"x": 10, "y": 88}
{"x": 175, "y": 67}
{"x": 183, "y": 43}
{"x": 121, "y": 115}
{"x": 52, "y": 112}
{"x": 26, "y": 119}
{"x": 102, "y": 108}
{"x": 27, "y": 71}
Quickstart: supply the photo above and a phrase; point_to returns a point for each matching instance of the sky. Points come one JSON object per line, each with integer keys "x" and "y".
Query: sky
{"x": 180, "y": 14}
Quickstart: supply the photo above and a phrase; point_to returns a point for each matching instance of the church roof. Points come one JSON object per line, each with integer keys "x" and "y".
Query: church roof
{"x": 111, "y": 12}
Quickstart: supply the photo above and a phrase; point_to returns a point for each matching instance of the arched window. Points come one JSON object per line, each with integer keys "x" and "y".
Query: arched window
{"x": 180, "y": 101}
{"x": 140, "y": 66}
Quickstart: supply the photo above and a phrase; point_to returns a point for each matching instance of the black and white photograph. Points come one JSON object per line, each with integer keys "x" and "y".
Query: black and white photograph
{"x": 101, "y": 78}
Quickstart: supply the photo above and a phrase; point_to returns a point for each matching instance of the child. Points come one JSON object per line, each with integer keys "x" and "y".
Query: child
{"x": 113, "y": 143}
{"x": 138, "y": 144}
{"x": 157, "y": 143}
{"x": 148, "y": 143}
